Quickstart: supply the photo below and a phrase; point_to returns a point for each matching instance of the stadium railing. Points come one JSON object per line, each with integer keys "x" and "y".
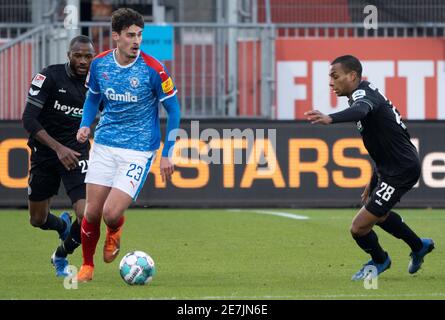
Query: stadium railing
{"x": 9, "y": 31}
{"x": 19, "y": 61}
{"x": 220, "y": 70}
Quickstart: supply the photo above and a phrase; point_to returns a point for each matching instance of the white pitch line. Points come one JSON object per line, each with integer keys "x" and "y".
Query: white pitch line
{"x": 274, "y": 213}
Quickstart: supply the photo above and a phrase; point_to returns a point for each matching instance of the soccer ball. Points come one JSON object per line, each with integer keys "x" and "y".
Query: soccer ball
{"x": 137, "y": 267}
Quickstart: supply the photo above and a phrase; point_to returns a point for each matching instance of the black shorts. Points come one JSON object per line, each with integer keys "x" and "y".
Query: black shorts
{"x": 389, "y": 190}
{"x": 45, "y": 176}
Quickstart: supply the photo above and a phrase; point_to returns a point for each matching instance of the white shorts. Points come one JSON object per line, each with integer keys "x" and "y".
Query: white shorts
{"x": 119, "y": 168}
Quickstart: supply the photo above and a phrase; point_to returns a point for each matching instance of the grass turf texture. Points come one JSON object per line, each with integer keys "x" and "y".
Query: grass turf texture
{"x": 221, "y": 254}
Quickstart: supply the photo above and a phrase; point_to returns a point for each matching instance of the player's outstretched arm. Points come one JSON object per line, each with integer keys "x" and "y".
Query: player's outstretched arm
{"x": 315, "y": 116}
{"x": 90, "y": 108}
{"x": 173, "y": 109}
{"x": 356, "y": 112}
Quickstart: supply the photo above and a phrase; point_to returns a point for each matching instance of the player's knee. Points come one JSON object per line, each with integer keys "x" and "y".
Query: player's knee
{"x": 112, "y": 220}
{"x": 79, "y": 208}
{"x": 37, "y": 221}
{"x": 358, "y": 230}
{"x": 112, "y": 216}
{"x": 91, "y": 218}
{"x": 79, "y": 214}
{"x": 79, "y": 217}
{"x": 92, "y": 213}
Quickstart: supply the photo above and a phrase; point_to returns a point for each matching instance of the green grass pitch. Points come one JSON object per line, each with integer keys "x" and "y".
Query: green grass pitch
{"x": 228, "y": 254}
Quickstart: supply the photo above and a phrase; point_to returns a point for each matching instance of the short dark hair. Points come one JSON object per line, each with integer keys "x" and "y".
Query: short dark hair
{"x": 124, "y": 18}
{"x": 350, "y": 63}
{"x": 80, "y": 39}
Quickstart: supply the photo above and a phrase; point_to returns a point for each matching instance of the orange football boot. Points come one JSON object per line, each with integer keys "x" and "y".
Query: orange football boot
{"x": 112, "y": 245}
{"x": 85, "y": 273}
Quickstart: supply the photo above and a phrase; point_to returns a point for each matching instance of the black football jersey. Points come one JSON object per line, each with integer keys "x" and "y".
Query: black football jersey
{"x": 384, "y": 134}
{"x": 60, "y": 94}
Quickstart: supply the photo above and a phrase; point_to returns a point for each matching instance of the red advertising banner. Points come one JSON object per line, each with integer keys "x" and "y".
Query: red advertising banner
{"x": 409, "y": 72}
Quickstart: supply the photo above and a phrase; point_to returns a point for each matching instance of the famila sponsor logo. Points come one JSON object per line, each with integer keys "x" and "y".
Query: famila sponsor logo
{"x": 124, "y": 97}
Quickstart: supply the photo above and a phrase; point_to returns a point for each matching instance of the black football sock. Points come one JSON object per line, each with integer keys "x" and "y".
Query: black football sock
{"x": 71, "y": 242}
{"x": 370, "y": 244}
{"x": 53, "y": 223}
{"x": 395, "y": 226}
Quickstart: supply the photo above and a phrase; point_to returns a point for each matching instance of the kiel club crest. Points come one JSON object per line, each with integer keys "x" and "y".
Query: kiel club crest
{"x": 134, "y": 82}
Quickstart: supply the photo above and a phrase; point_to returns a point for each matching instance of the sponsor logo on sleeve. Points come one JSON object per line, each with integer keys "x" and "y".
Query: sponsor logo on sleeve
{"x": 167, "y": 85}
{"x": 38, "y": 80}
{"x": 358, "y": 94}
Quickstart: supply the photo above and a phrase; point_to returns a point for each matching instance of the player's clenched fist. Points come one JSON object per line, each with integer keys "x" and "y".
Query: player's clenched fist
{"x": 83, "y": 134}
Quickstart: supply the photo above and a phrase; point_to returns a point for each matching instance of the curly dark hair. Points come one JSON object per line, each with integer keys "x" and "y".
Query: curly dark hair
{"x": 124, "y": 18}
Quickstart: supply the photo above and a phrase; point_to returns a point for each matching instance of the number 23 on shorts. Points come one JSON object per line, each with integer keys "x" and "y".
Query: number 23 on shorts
{"x": 135, "y": 172}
